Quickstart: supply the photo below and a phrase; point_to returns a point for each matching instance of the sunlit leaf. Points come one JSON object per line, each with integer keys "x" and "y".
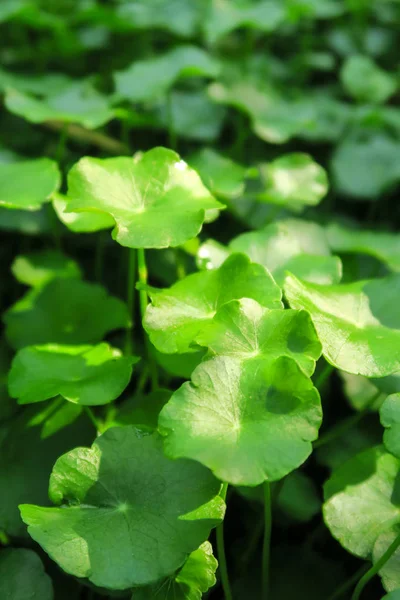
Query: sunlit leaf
{"x": 27, "y": 185}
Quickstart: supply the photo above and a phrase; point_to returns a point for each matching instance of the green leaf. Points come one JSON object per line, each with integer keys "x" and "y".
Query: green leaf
{"x": 294, "y": 181}
{"x": 248, "y": 421}
{"x": 54, "y": 416}
{"x": 26, "y": 461}
{"x": 38, "y": 268}
{"x": 395, "y": 595}
{"x": 211, "y": 255}
{"x": 80, "y": 222}
{"x": 227, "y": 15}
{"x": 382, "y": 245}
{"x": 26, "y": 222}
{"x": 22, "y": 576}
{"x": 274, "y": 118}
{"x": 362, "y": 500}
{"x": 244, "y": 329}
{"x": 390, "y": 419}
{"x": 79, "y": 103}
{"x": 65, "y": 311}
{"x": 192, "y": 115}
{"x": 142, "y": 410}
{"x": 365, "y": 81}
{"x": 178, "y": 314}
{"x": 222, "y": 176}
{"x": 196, "y": 577}
{"x": 177, "y": 16}
{"x": 361, "y": 392}
{"x": 156, "y": 200}
{"x": 298, "y": 497}
{"x": 28, "y": 184}
{"x": 87, "y": 375}
{"x": 291, "y": 245}
{"x": 7, "y": 405}
{"x": 124, "y": 494}
{"x": 148, "y": 79}
{"x": 364, "y": 167}
{"x": 357, "y": 324}
{"x": 179, "y": 365}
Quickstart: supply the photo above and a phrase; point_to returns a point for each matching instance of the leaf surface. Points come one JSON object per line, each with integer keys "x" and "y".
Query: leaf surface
{"x": 26, "y": 185}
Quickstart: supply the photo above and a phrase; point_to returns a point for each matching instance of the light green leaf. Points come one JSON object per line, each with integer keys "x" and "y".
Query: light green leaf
{"x": 361, "y": 392}
{"x": 156, "y": 200}
{"x": 28, "y": 184}
{"x": 395, "y": 595}
{"x": 390, "y": 571}
{"x": 192, "y": 115}
{"x": 196, "y": 577}
{"x": 124, "y": 494}
{"x": 248, "y": 421}
{"x": 177, "y": 16}
{"x": 390, "y": 419}
{"x": 382, "y": 245}
{"x": 179, "y": 365}
{"x": 46, "y": 84}
{"x": 274, "y": 118}
{"x": 87, "y": 375}
{"x": 244, "y": 329}
{"x": 225, "y": 16}
{"x": 38, "y": 268}
{"x": 361, "y": 500}
{"x": 211, "y": 255}
{"x": 365, "y": 81}
{"x": 291, "y": 245}
{"x": 26, "y": 461}
{"x": 178, "y": 314}
{"x": 223, "y": 177}
{"x": 22, "y": 576}
{"x": 357, "y": 324}
{"x": 79, "y": 103}
{"x": 80, "y": 222}
{"x": 293, "y": 181}
{"x": 54, "y": 416}
{"x": 365, "y": 167}
{"x": 65, "y": 311}
{"x": 148, "y": 79}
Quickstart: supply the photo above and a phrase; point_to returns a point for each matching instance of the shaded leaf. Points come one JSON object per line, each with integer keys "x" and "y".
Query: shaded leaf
{"x": 22, "y": 576}
{"x": 38, "y": 268}
{"x": 390, "y": 419}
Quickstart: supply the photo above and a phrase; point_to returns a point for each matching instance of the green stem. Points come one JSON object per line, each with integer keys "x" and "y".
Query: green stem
{"x": 267, "y": 540}
{"x": 62, "y": 140}
{"x": 143, "y": 276}
{"x": 98, "y": 267}
{"x": 348, "y": 584}
{"x": 94, "y": 421}
{"x": 338, "y": 430}
{"x": 172, "y": 137}
{"x": 130, "y": 297}
{"x": 323, "y": 375}
{"x": 223, "y": 569}
{"x": 375, "y": 568}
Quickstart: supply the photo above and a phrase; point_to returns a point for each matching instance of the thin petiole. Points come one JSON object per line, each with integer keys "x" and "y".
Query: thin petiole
{"x": 62, "y": 141}
{"x": 143, "y": 277}
{"x": 223, "y": 568}
{"x": 96, "y": 424}
{"x": 348, "y": 584}
{"x": 375, "y": 568}
{"x": 99, "y": 257}
{"x": 267, "y": 540}
{"x": 130, "y": 297}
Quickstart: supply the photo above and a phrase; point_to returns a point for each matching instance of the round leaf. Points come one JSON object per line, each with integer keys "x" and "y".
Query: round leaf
{"x": 177, "y": 16}
{"x": 87, "y": 375}
{"x": 65, "y": 311}
{"x": 291, "y": 245}
{"x": 38, "y": 268}
{"x": 28, "y": 184}
{"x": 221, "y": 175}
{"x": 357, "y": 324}
{"x": 362, "y": 500}
{"x": 124, "y": 494}
{"x": 80, "y": 222}
{"x": 245, "y": 329}
{"x": 177, "y": 315}
{"x": 196, "y": 577}
{"x": 365, "y": 81}
{"x": 294, "y": 181}
{"x": 248, "y": 421}
{"x": 22, "y": 576}
{"x": 390, "y": 419}
{"x": 156, "y": 200}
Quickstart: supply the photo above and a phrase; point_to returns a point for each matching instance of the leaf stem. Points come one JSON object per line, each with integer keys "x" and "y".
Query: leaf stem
{"x": 99, "y": 257}
{"x": 223, "y": 568}
{"x": 130, "y": 297}
{"x": 62, "y": 140}
{"x": 348, "y": 583}
{"x": 267, "y": 540}
{"x": 375, "y": 568}
{"x": 143, "y": 277}
{"x": 87, "y": 136}
{"x": 96, "y": 424}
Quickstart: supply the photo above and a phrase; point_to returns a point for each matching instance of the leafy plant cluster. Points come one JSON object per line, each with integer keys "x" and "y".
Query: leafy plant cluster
{"x": 205, "y": 403}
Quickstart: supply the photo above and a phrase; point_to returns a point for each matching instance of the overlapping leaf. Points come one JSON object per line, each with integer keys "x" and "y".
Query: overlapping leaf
{"x": 38, "y": 268}
{"x": 358, "y": 324}
{"x": 366, "y": 81}
{"x": 87, "y": 375}
{"x": 80, "y": 222}
{"x": 390, "y": 419}
{"x": 178, "y": 314}
{"x": 28, "y": 184}
{"x": 223, "y": 177}
{"x": 169, "y": 505}
{"x": 22, "y": 575}
{"x": 156, "y": 200}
